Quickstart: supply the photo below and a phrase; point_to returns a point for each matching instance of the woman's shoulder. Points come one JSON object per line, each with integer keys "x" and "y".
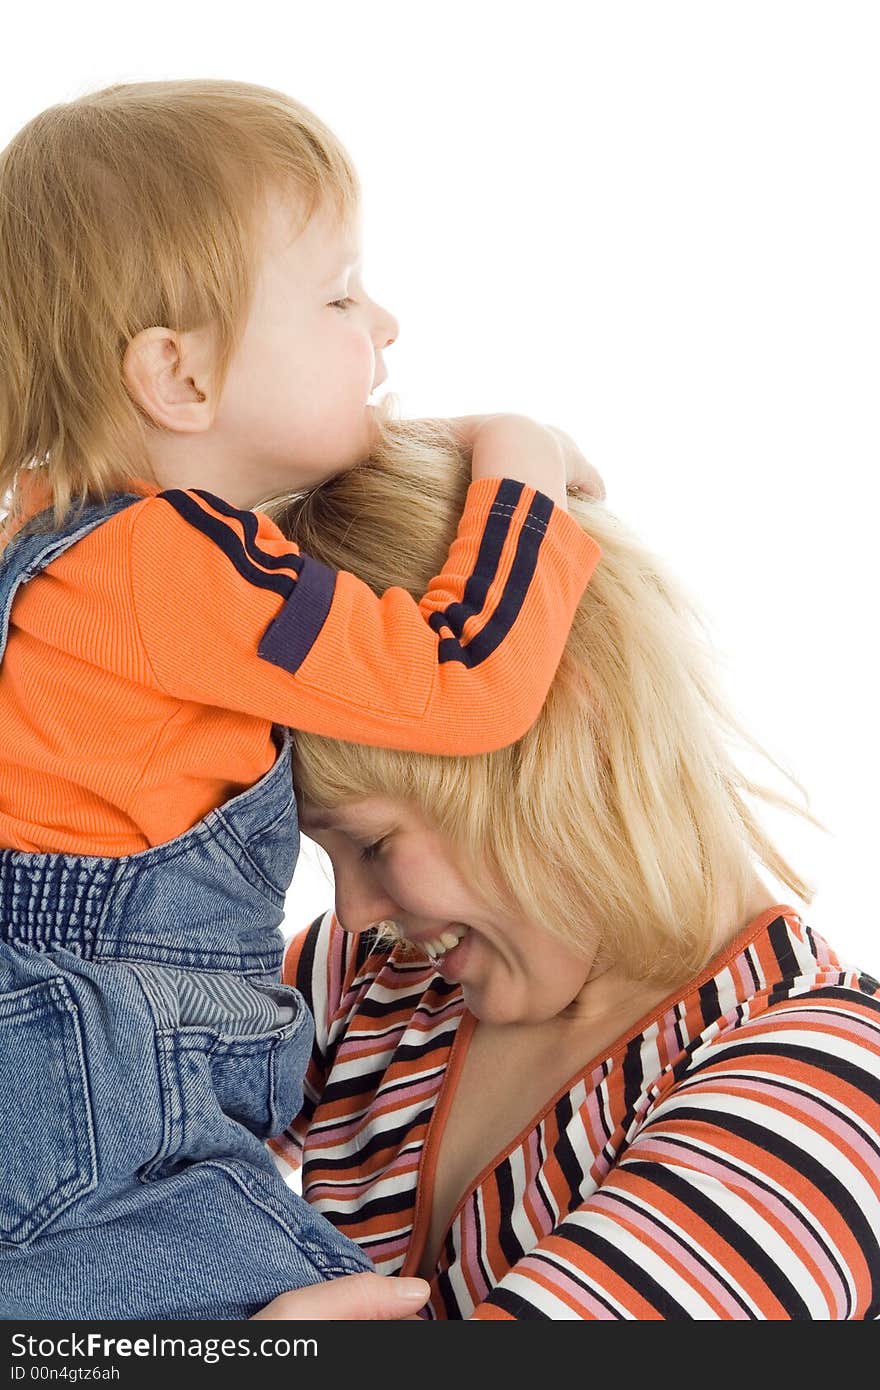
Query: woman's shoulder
{"x": 784, "y": 989}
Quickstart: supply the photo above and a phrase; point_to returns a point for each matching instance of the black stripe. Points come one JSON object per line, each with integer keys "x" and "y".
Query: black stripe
{"x": 508, "y": 608}
{"x": 710, "y": 1005}
{"x": 389, "y": 1138}
{"x": 633, "y": 1078}
{"x": 780, "y": 940}
{"x": 296, "y": 627}
{"x": 227, "y": 541}
{"x": 600, "y": 1108}
{"x": 515, "y": 1305}
{"x": 539, "y": 1176}
{"x": 478, "y": 1241}
{"x": 692, "y": 1198}
{"x": 381, "y": 1008}
{"x": 303, "y": 981}
{"x": 844, "y": 994}
{"x": 390, "y": 1202}
{"x": 445, "y": 1292}
{"x": 365, "y": 942}
{"x": 563, "y": 1149}
{"x": 678, "y": 1030}
{"x": 503, "y": 1176}
{"x": 625, "y": 1269}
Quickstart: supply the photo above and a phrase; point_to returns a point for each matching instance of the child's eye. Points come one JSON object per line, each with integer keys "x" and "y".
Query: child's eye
{"x": 340, "y": 303}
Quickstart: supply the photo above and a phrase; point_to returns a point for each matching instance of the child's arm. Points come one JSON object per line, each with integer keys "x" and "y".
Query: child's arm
{"x": 230, "y": 613}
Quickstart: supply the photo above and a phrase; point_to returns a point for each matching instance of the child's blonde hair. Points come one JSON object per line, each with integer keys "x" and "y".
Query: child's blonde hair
{"x": 622, "y": 810}
{"x": 134, "y": 206}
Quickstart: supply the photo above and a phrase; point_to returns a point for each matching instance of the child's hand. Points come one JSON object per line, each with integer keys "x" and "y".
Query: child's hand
{"x": 580, "y": 475}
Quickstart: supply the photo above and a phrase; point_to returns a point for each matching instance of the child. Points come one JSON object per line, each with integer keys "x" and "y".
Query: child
{"x": 182, "y": 333}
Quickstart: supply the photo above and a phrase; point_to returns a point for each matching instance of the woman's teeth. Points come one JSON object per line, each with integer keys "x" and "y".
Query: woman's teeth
{"x": 439, "y": 945}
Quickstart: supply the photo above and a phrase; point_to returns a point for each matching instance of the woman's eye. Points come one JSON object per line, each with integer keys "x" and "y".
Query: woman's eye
{"x": 340, "y": 303}
{"x": 371, "y": 851}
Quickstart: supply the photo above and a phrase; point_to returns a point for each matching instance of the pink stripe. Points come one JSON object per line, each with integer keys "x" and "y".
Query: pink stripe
{"x": 745, "y": 976}
{"x": 324, "y": 1139}
{"x": 826, "y": 1017}
{"x": 389, "y": 1251}
{"x": 670, "y": 1038}
{"x": 822, "y": 1116}
{"x": 357, "y": 1046}
{"x": 584, "y": 1301}
{"x": 468, "y": 1247}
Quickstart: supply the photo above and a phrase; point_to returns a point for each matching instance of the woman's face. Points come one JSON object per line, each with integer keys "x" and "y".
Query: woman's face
{"x": 389, "y": 862}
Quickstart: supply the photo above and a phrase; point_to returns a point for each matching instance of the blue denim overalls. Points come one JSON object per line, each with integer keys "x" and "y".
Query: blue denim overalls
{"x": 135, "y": 1089}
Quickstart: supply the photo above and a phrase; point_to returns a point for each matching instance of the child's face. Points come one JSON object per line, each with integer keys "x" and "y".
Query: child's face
{"x": 295, "y": 404}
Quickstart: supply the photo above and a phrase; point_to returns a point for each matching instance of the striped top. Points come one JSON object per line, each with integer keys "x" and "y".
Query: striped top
{"x": 722, "y": 1161}
{"x": 145, "y": 666}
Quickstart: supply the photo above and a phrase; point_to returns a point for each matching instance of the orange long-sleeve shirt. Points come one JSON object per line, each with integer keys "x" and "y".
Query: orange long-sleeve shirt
{"x": 145, "y": 666}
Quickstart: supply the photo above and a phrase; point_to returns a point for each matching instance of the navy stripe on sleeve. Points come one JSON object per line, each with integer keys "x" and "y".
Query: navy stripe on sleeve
{"x": 483, "y": 644}
{"x": 244, "y": 555}
{"x": 290, "y": 636}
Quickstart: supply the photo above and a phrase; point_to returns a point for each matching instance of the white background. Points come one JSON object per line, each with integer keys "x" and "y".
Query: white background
{"x": 656, "y": 225}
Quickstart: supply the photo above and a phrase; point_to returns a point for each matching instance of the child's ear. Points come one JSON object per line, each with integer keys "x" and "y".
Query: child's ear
{"x": 165, "y": 374}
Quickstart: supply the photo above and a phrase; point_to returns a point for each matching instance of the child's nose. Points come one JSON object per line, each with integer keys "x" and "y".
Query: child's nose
{"x": 388, "y": 330}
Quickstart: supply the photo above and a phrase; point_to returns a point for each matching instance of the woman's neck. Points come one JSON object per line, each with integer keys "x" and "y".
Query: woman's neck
{"x": 609, "y": 995}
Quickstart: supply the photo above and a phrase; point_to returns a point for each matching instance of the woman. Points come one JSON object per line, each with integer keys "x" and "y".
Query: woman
{"x": 573, "y": 1058}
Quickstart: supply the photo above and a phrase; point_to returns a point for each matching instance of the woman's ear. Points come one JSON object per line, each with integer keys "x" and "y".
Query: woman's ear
{"x": 168, "y": 375}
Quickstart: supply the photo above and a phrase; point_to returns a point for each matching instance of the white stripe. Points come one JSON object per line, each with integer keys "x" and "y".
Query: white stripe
{"x": 835, "y": 1044}
{"x": 726, "y": 986}
{"x": 381, "y": 1188}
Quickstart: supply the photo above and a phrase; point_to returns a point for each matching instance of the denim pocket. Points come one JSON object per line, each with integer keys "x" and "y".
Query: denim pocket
{"x": 47, "y": 1146}
{"x": 258, "y": 1081}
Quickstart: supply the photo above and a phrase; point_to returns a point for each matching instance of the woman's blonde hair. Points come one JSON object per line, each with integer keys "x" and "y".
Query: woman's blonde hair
{"x": 137, "y": 205}
{"x": 615, "y": 819}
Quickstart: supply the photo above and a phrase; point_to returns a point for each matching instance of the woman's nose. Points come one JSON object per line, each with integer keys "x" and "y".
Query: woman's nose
{"x": 361, "y": 902}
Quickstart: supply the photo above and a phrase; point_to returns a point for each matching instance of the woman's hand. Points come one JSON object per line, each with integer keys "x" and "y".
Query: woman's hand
{"x": 353, "y": 1298}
